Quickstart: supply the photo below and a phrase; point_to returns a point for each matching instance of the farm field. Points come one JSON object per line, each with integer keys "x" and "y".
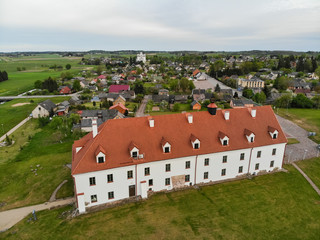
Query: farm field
{"x": 278, "y": 206}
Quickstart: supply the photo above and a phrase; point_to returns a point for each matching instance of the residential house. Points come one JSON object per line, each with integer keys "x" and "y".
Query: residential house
{"x": 74, "y": 100}
{"x": 62, "y": 108}
{"x": 132, "y": 157}
{"x": 242, "y": 102}
{"x": 64, "y": 90}
{"x": 195, "y": 105}
{"x": 253, "y": 83}
{"x": 119, "y": 99}
{"x": 44, "y": 109}
{"x": 118, "y": 88}
{"x": 164, "y": 92}
{"x": 120, "y": 108}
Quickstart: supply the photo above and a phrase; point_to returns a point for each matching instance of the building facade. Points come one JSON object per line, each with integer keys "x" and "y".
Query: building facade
{"x": 129, "y": 157}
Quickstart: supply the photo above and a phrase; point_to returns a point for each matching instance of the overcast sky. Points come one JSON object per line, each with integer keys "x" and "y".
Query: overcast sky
{"x": 75, "y": 25}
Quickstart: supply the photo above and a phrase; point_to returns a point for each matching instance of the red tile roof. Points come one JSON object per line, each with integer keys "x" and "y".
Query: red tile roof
{"x": 195, "y": 72}
{"x": 119, "y": 105}
{"x": 193, "y": 137}
{"x": 118, "y": 88}
{"x": 248, "y": 132}
{"x": 116, "y": 135}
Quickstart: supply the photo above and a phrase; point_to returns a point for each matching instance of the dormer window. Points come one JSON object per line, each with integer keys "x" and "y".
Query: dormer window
{"x": 195, "y": 142}
{"x": 166, "y": 146}
{"x": 249, "y": 135}
{"x": 134, "y": 151}
{"x": 273, "y": 132}
{"x": 100, "y": 154}
{"x": 134, "y": 154}
{"x": 223, "y": 139}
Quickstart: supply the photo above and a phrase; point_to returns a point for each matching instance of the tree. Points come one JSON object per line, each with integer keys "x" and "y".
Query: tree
{"x": 94, "y": 103}
{"x": 317, "y": 71}
{"x": 281, "y": 63}
{"x": 235, "y": 95}
{"x": 283, "y": 101}
{"x": 99, "y": 69}
{"x": 247, "y": 92}
{"x": 139, "y": 88}
{"x": 301, "y": 101}
{"x": 266, "y": 91}
{"x": 174, "y": 85}
{"x": 316, "y": 101}
{"x": 217, "y": 88}
{"x": 68, "y": 66}
{"x": 76, "y": 85}
{"x": 281, "y": 83}
{"x": 314, "y": 64}
{"x": 176, "y": 107}
{"x": 50, "y": 84}
{"x": 38, "y": 84}
{"x": 259, "y": 97}
{"x": 184, "y": 82}
{"x": 191, "y": 85}
{"x": 8, "y": 140}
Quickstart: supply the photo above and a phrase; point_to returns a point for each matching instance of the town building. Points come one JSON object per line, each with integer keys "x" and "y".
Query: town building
{"x": 253, "y": 83}
{"x": 131, "y": 157}
{"x": 141, "y": 57}
{"x": 44, "y": 109}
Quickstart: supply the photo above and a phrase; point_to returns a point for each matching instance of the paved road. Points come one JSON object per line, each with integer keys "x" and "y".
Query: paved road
{"x": 11, "y": 217}
{"x": 6, "y": 98}
{"x": 141, "y": 109}
{"x": 14, "y": 128}
{"x": 303, "y": 150}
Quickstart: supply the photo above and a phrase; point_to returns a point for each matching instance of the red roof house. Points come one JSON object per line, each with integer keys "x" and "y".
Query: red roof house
{"x": 65, "y": 90}
{"x": 120, "y": 107}
{"x": 118, "y": 88}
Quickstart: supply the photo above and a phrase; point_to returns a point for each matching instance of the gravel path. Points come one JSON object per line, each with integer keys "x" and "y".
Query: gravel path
{"x": 141, "y": 109}
{"x": 14, "y": 128}
{"x": 307, "y": 178}
{"x": 53, "y": 195}
{"x": 299, "y": 151}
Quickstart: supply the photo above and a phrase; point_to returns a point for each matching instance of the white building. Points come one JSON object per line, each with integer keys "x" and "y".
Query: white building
{"x": 141, "y": 57}
{"x": 131, "y": 156}
{"x": 43, "y": 109}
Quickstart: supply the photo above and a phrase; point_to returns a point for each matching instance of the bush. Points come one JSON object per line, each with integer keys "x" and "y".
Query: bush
{"x": 43, "y": 121}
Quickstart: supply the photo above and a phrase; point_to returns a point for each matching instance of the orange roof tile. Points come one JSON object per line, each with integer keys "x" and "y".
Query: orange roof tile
{"x": 193, "y": 138}
{"x": 271, "y": 129}
{"x": 221, "y": 135}
{"x": 115, "y": 136}
{"x": 248, "y": 132}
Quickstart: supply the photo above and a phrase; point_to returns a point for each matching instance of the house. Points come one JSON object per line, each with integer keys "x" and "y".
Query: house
{"x": 253, "y": 83}
{"x": 44, "y": 109}
{"x": 141, "y": 57}
{"x": 164, "y": 92}
{"x": 130, "y": 157}
{"x": 64, "y": 90}
{"x": 95, "y": 99}
{"x": 118, "y": 88}
{"x": 74, "y": 100}
{"x": 242, "y": 102}
{"x": 196, "y": 73}
{"x": 119, "y": 99}
{"x": 62, "y": 108}
{"x": 120, "y": 108}
{"x": 195, "y": 105}
{"x": 102, "y": 77}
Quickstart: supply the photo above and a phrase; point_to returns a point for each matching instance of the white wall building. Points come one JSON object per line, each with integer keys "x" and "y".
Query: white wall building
{"x": 141, "y": 57}
{"x": 43, "y": 109}
{"x": 129, "y": 157}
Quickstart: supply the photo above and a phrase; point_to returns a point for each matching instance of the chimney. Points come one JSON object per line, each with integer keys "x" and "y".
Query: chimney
{"x": 151, "y": 122}
{"x": 190, "y": 118}
{"x": 94, "y": 128}
{"x": 253, "y": 113}
{"x": 212, "y": 108}
{"x": 226, "y": 115}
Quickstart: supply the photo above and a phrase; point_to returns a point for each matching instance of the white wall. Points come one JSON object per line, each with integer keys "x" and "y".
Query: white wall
{"x": 120, "y": 184}
{"x": 39, "y": 111}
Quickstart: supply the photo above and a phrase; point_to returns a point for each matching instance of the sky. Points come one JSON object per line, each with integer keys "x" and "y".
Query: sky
{"x": 160, "y": 25}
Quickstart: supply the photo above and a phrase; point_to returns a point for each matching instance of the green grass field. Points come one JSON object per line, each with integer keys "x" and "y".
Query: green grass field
{"x": 278, "y": 206}
{"x": 11, "y": 116}
{"x": 19, "y": 184}
{"x": 309, "y": 119}
{"x": 311, "y": 167}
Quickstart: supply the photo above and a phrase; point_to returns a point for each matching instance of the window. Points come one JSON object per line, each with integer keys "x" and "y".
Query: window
{"x": 257, "y": 166}
{"x": 94, "y": 198}
{"x": 224, "y": 159}
{"x": 271, "y": 163}
{"x": 167, "y": 181}
{"x": 240, "y": 169}
{"x": 150, "y": 182}
{"x": 206, "y": 161}
{"x": 187, "y": 164}
{"x": 167, "y": 149}
{"x": 100, "y": 159}
{"x": 110, "y": 195}
{"x": 205, "y": 175}
{"x": 274, "y": 136}
{"x": 135, "y": 154}
{"x": 187, "y": 178}
{"x": 147, "y": 171}
{"x": 110, "y": 178}
{"x": 251, "y": 139}
{"x": 274, "y": 151}
{"x": 242, "y": 156}
{"x": 225, "y": 142}
{"x": 196, "y": 146}
{"x": 130, "y": 174}
{"x": 168, "y": 167}
{"x": 258, "y": 154}
{"x": 92, "y": 181}
{"x": 223, "y": 172}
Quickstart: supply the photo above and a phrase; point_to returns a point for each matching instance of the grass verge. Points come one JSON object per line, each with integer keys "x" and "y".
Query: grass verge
{"x": 311, "y": 167}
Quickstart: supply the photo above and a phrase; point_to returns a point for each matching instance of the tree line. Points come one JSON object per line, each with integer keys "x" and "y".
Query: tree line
{"x": 3, "y": 76}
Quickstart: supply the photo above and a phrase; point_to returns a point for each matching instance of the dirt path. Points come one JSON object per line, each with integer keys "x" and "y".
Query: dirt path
{"x": 53, "y": 195}
{"x": 11, "y": 217}
{"x": 14, "y": 128}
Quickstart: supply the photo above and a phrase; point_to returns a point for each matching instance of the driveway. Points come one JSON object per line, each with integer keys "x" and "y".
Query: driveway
{"x": 141, "y": 109}
{"x": 299, "y": 151}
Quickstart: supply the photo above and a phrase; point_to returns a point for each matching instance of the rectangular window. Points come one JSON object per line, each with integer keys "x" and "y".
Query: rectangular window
{"x": 205, "y": 175}
{"x": 274, "y": 136}
{"x": 242, "y": 156}
{"x": 223, "y": 172}
{"x": 100, "y": 159}
{"x": 130, "y": 174}
{"x": 150, "y": 182}
{"x": 196, "y": 146}
{"x": 224, "y": 159}
{"x": 274, "y": 151}
{"x": 240, "y": 169}
{"x": 187, "y": 164}
{"x": 187, "y": 178}
{"x": 258, "y": 154}
{"x": 110, "y": 195}
{"x": 94, "y": 198}
{"x": 166, "y": 149}
{"x": 168, "y": 167}
{"x": 146, "y": 171}
{"x": 271, "y": 163}
{"x": 134, "y": 154}
{"x": 167, "y": 181}
{"x": 110, "y": 178}
{"x": 251, "y": 139}
{"x": 257, "y": 166}
{"x": 92, "y": 181}
{"x": 225, "y": 142}
{"x": 206, "y": 161}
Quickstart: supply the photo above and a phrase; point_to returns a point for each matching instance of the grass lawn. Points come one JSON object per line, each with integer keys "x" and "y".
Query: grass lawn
{"x": 311, "y": 167}
{"x": 19, "y": 183}
{"x": 309, "y": 119}
{"x": 11, "y": 116}
{"x": 278, "y": 206}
